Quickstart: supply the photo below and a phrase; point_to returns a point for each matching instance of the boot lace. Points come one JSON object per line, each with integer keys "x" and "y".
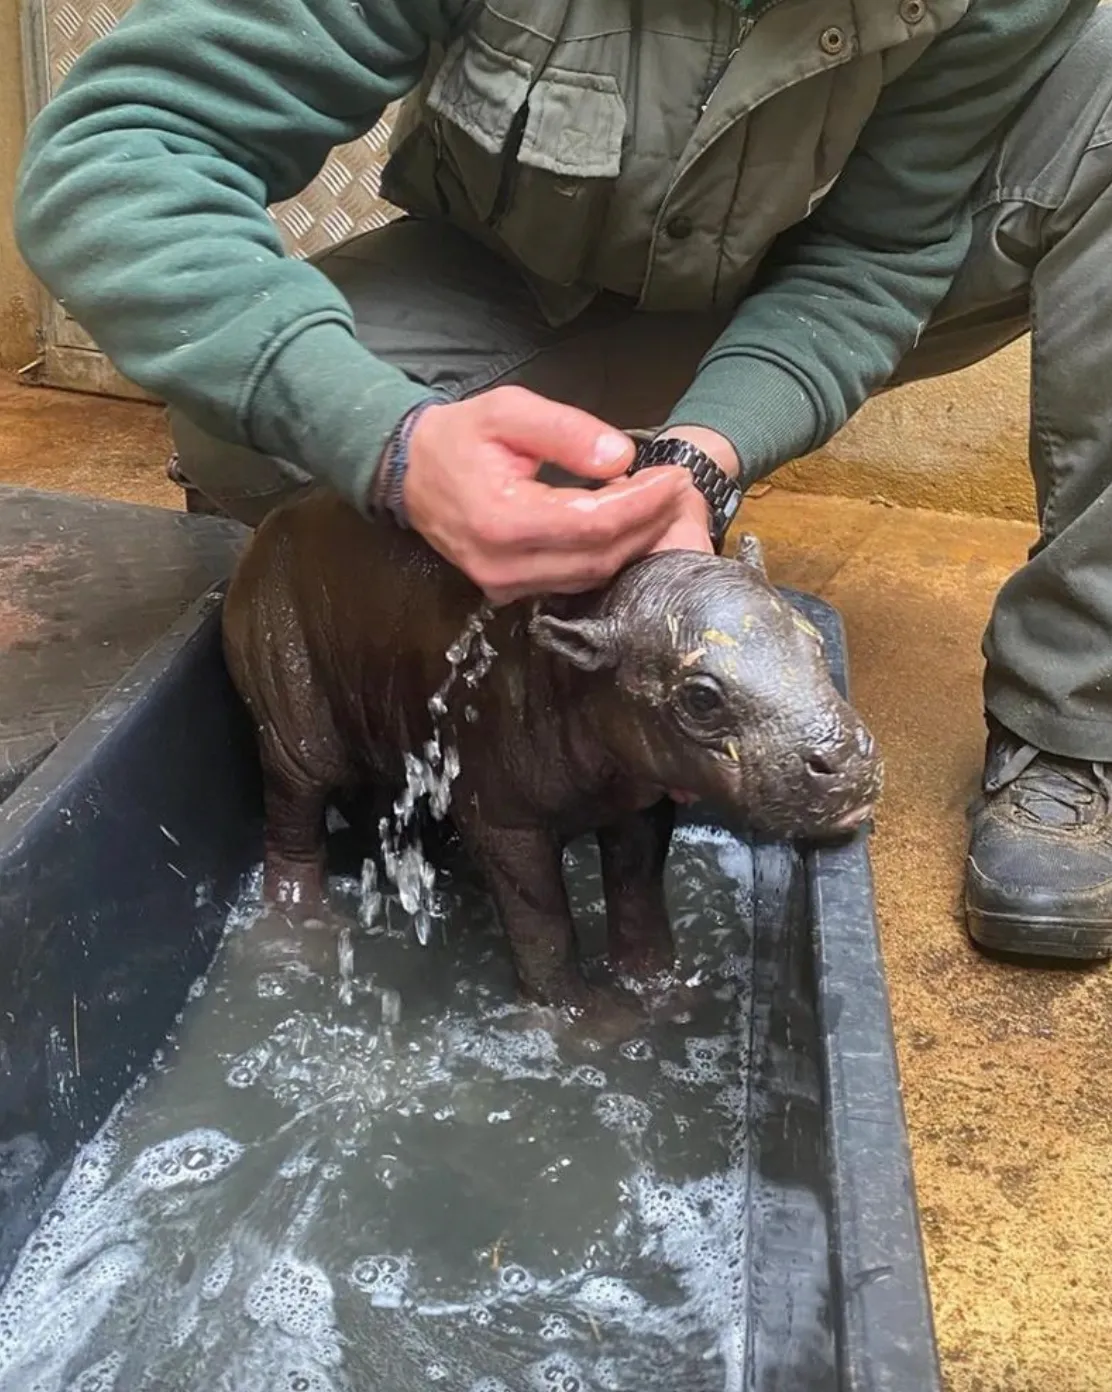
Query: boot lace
{"x": 1048, "y": 789}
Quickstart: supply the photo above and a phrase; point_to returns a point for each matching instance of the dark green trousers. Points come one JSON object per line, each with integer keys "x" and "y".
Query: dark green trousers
{"x": 452, "y": 315}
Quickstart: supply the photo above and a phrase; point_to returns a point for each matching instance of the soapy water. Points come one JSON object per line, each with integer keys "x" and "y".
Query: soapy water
{"x": 428, "y": 784}
{"x": 412, "y": 1183}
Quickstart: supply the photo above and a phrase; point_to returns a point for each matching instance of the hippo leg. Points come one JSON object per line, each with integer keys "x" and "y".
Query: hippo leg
{"x": 522, "y": 868}
{"x": 294, "y": 799}
{"x": 294, "y": 867}
{"x": 633, "y": 852}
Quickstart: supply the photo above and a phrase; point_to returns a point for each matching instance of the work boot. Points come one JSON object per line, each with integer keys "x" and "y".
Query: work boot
{"x": 1038, "y": 880}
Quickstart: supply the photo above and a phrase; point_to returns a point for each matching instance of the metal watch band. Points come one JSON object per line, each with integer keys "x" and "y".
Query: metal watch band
{"x": 722, "y": 493}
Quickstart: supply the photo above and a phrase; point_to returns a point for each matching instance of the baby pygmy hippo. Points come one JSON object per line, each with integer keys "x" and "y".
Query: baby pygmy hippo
{"x": 687, "y": 677}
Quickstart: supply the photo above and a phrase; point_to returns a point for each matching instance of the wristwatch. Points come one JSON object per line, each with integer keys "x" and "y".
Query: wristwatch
{"x": 722, "y": 493}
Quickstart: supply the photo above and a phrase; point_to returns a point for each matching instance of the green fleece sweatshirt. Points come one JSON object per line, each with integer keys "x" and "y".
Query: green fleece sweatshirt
{"x": 141, "y": 205}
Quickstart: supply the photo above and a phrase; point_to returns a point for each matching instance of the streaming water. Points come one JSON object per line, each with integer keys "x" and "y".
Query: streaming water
{"x": 411, "y": 1183}
{"x": 429, "y": 777}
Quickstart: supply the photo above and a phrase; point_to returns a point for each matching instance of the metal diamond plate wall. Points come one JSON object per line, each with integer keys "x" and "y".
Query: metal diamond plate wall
{"x": 341, "y": 202}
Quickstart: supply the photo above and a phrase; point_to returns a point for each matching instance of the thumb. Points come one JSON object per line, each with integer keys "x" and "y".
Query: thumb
{"x": 549, "y": 431}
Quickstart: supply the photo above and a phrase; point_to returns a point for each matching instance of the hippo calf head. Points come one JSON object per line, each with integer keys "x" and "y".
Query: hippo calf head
{"x": 704, "y": 681}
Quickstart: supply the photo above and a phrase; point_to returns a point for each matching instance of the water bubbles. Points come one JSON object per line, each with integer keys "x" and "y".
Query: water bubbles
{"x": 734, "y": 1101}
{"x": 556, "y": 1329}
{"x": 707, "y": 1063}
{"x": 509, "y": 1054}
{"x": 621, "y": 1112}
{"x": 216, "y": 1279}
{"x": 515, "y": 1280}
{"x": 91, "y": 1171}
{"x": 195, "y": 1158}
{"x": 101, "y": 1377}
{"x": 557, "y": 1374}
{"x": 305, "y": 1380}
{"x": 382, "y": 1278}
{"x": 608, "y": 1376}
{"x": 607, "y": 1297}
{"x": 616, "y": 1172}
{"x": 295, "y": 1297}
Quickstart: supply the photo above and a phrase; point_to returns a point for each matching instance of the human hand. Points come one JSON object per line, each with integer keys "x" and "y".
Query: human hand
{"x": 690, "y": 531}
{"x": 471, "y": 491}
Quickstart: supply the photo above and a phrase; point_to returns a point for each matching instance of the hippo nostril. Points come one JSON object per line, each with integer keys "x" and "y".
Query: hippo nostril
{"x": 819, "y": 764}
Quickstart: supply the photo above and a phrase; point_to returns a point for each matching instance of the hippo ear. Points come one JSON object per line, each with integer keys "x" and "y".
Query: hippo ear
{"x": 750, "y": 552}
{"x": 590, "y": 644}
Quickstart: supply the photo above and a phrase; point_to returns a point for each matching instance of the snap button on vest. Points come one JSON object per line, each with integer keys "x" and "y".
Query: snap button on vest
{"x": 912, "y": 11}
{"x": 832, "y": 41}
{"x": 679, "y": 227}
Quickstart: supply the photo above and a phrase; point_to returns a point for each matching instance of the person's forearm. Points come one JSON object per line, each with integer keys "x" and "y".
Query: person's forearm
{"x": 852, "y": 289}
{"x": 142, "y": 206}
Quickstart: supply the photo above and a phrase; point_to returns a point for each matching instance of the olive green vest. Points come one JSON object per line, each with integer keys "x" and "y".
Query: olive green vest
{"x": 651, "y": 147}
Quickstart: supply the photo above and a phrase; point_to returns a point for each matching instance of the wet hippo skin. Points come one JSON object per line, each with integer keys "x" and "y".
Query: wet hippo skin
{"x": 687, "y": 677}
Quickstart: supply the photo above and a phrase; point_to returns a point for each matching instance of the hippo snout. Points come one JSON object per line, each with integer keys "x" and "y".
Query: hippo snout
{"x": 842, "y": 776}
{"x": 849, "y": 744}
{"x": 851, "y": 754}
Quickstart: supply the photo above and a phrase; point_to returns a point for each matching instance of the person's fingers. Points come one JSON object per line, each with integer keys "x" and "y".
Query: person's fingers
{"x": 691, "y": 529}
{"x": 541, "y": 430}
{"x": 560, "y": 572}
{"x": 527, "y": 516}
{"x": 471, "y": 491}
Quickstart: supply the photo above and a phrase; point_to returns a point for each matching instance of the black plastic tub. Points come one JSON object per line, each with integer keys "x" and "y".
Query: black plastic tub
{"x": 839, "y": 1298}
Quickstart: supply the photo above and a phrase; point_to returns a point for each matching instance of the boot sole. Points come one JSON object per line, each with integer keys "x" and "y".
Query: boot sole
{"x": 1023, "y": 936}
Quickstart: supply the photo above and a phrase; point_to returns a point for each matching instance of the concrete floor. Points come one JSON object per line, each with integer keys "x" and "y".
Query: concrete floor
{"x": 1008, "y": 1093}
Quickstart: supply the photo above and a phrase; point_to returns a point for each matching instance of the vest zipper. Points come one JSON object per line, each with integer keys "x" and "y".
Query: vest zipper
{"x": 507, "y": 180}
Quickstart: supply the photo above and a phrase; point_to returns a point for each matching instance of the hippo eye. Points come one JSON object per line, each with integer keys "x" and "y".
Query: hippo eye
{"x": 701, "y": 698}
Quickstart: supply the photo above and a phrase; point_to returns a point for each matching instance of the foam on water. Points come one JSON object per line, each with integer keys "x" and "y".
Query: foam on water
{"x": 380, "y": 1170}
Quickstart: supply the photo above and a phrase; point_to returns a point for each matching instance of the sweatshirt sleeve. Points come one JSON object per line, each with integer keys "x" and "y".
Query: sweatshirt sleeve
{"x": 141, "y": 205}
{"x": 848, "y": 294}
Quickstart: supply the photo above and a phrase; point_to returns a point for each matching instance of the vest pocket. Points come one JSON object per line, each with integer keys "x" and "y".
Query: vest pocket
{"x": 535, "y": 162}
{"x": 567, "y": 166}
{"x": 475, "y": 102}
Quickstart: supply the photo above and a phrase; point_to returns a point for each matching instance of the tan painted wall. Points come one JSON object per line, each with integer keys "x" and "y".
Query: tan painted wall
{"x": 956, "y": 444}
{"x": 18, "y": 293}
